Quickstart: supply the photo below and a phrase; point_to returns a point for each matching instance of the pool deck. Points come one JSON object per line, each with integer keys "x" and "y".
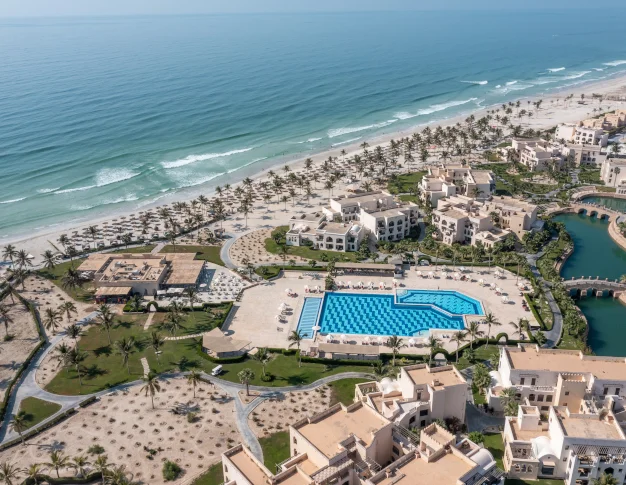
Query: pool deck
{"x": 254, "y": 318}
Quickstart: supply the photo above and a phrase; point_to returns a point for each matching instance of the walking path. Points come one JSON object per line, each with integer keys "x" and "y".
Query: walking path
{"x": 158, "y": 247}
{"x": 146, "y": 366}
{"x": 146, "y": 325}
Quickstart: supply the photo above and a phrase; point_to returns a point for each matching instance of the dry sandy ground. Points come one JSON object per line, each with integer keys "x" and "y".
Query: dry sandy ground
{"x": 276, "y": 414}
{"x": 252, "y": 247}
{"x": 25, "y": 338}
{"x": 125, "y": 423}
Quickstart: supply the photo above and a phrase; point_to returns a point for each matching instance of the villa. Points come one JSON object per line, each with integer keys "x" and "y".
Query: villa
{"x": 538, "y": 155}
{"x": 350, "y": 220}
{"x": 584, "y": 154}
{"x": 581, "y": 135}
{"x": 117, "y": 276}
{"x": 355, "y": 445}
{"x": 613, "y": 174}
{"x": 450, "y": 180}
{"x": 608, "y": 122}
{"x": 419, "y": 396}
{"x": 465, "y": 220}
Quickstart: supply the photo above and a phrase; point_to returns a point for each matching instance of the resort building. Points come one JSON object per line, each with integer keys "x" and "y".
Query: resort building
{"x": 538, "y": 156}
{"x": 418, "y": 396}
{"x": 354, "y": 445}
{"x": 581, "y": 135}
{"x": 467, "y": 221}
{"x": 576, "y": 446}
{"x": 583, "y": 155}
{"x": 350, "y": 220}
{"x": 608, "y": 122}
{"x": 117, "y": 276}
{"x": 613, "y": 174}
{"x": 449, "y": 180}
{"x": 545, "y": 377}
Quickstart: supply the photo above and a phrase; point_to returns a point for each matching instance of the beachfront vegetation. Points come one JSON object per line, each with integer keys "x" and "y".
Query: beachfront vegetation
{"x": 205, "y": 253}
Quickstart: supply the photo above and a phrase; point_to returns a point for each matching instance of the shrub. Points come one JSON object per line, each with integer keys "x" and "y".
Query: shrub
{"x": 477, "y": 437}
{"x": 95, "y": 450}
{"x": 171, "y": 471}
{"x": 191, "y": 417}
{"x": 267, "y": 377}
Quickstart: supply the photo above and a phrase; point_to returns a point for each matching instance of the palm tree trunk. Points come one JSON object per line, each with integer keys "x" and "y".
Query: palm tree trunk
{"x": 80, "y": 378}
{"x": 152, "y": 399}
{"x": 109, "y": 335}
{"x": 247, "y": 388}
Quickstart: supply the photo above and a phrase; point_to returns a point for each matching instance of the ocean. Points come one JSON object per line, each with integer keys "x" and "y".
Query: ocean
{"x": 99, "y": 115}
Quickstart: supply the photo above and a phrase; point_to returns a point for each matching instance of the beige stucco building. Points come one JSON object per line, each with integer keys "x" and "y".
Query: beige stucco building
{"x": 449, "y": 180}
{"x": 613, "y": 174}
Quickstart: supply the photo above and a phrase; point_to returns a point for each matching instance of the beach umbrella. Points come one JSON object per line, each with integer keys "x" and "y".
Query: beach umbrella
{"x": 431, "y": 274}
{"x": 380, "y": 340}
{"x": 419, "y": 273}
{"x": 505, "y": 299}
{"x": 316, "y": 328}
{"x": 366, "y": 339}
{"x": 278, "y": 317}
{"x": 343, "y": 337}
{"x": 350, "y": 284}
{"x": 457, "y": 275}
{"x": 481, "y": 281}
{"x": 444, "y": 274}
{"x": 411, "y": 342}
{"x": 329, "y": 338}
{"x": 288, "y": 291}
{"x": 462, "y": 269}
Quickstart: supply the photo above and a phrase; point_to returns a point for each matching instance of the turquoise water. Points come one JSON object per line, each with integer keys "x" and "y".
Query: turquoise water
{"x": 448, "y": 301}
{"x": 609, "y": 202}
{"x": 368, "y": 314}
{"x": 308, "y": 316}
{"x": 596, "y": 254}
{"x": 100, "y": 115}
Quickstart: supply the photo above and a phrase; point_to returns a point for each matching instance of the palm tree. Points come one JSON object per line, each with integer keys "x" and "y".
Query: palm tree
{"x": 33, "y": 472}
{"x": 605, "y": 479}
{"x": 79, "y": 463}
{"x": 434, "y": 344}
{"x": 156, "y": 342}
{"x": 192, "y": 297}
{"x": 295, "y": 338}
{"x": 49, "y": 259}
{"x": 520, "y": 326}
{"x": 193, "y": 378}
{"x": 51, "y": 320}
{"x": 490, "y": 320}
{"x": 119, "y": 476}
{"x": 245, "y": 376}
{"x": 458, "y": 338}
{"x": 474, "y": 332}
{"x": 19, "y": 424}
{"x": 58, "y": 461}
{"x": 102, "y": 465}
{"x": 9, "y": 472}
{"x": 105, "y": 319}
{"x": 380, "y": 370}
{"x": 75, "y": 357}
{"x": 68, "y": 308}
{"x": 151, "y": 386}
{"x": 395, "y": 343}
{"x": 174, "y": 320}
{"x": 6, "y": 318}
{"x": 61, "y": 353}
{"x": 263, "y": 356}
{"x": 23, "y": 259}
{"x": 9, "y": 252}
{"x": 125, "y": 347}
{"x": 72, "y": 279}
{"x": 74, "y": 331}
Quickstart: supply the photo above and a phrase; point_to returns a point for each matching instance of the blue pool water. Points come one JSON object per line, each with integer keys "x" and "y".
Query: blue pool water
{"x": 449, "y": 301}
{"x": 308, "y": 316}
{"x": 369, "y": 314}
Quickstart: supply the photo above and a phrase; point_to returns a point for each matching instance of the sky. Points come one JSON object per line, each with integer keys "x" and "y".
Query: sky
{"x": 47, "y": 8}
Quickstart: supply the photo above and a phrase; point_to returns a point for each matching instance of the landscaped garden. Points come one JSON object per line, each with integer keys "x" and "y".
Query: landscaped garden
{"x": 36, "y": 410}
{"x": 276, "y": 243}
{"x": 205, "y": 253}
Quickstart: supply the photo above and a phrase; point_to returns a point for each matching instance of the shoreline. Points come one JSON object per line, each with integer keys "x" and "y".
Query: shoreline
{"x": 550, "y": 115}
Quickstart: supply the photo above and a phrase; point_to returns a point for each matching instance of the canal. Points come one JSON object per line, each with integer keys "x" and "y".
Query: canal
{"x": 595, "y": 254}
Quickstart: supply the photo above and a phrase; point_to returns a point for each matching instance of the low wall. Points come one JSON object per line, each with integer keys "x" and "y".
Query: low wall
{"x": 615, "y": 234}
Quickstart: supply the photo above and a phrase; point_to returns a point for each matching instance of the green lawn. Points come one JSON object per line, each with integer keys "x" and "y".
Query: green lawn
{"x": 493, "y": 442}
{"x": 286, "y": 371}
{"x": 275, "y": 449}
{"x": 37, "y": 410}
{"x": 514, "y": 481}
{"x": 590, "y": 176}
{"x": 55, "y": 274}
{"x": 213, "y": 476}
{"x": 482, "y": 353}
{"x": 479, "y": 398}
{"x": 306, "y": 252}
{"x": 195, "y": 322}
{"x": 137, "y": 250}
{"x": 343, "y": 391}
{"x": 602, "y": 188}
{"x": 268, "y": 272}
{"x": 405, "y": 183}
{"x": 206, "y": 253}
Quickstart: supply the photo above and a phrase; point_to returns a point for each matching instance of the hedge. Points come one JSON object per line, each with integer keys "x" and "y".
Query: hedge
{"x": 228, "y": 360}
{"x": 41, "y": 478}
{"x": 33, "y": 353}
{"x": 318, "y": 360}
{"x": 534, "y": 311}
{"x": 35, "y": 431}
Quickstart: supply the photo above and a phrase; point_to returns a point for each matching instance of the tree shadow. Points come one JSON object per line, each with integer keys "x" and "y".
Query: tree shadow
{"x": 94, "y": 371}
{"x": 103, "y": 351}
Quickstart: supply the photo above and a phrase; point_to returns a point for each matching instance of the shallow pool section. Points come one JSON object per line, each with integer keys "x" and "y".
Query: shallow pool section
{"x": 308, "y": 316}
{"x": 448, "y": 301}
{"x": 368, "y": 314}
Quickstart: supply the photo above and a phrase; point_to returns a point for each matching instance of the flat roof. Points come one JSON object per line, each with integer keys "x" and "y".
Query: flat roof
{"x": 586, "y": 427}
{"x": 350, "y": 349}
{"x": 446, "y": 377}
{"x": 370, "y": 196}
{"x": 249, "y": 468}
{"x": 445, "y": 470}
{"x": 113, "y": 290}
{"x": 94, "y": 262}
{"x": 525, "y": 434}
{"x": 380, "y": 267}
{"x": 178, "y": 256}
{"x": 452, "y": 213}
{"x": 219, "y": 343}
{"x": 326, "y": 432}
{"x": 185, "y": 272}
{"x": 336, "y": 227}
{"x": 567, "y": 362}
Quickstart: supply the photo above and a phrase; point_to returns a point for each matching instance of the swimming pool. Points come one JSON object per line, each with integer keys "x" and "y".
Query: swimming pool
{"x": 407, "y": 314}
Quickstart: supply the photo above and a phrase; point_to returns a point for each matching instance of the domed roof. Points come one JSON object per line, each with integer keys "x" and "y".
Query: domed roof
{"x": 496, "y": 378}
{"x": 541, "y": 446}
{"x": 483, "y": 458}
{"x": 388, "y": 385}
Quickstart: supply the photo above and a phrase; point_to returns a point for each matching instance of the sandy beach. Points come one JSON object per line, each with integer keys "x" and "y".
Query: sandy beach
{"x": 554, "y": 110}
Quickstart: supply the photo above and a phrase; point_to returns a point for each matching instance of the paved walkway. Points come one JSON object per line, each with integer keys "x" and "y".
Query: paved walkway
{"x": 146, "y": 366}
{"x": 146, "y": 325}
{"x": 158, "y": 247}
{"x": 477, "y": 420}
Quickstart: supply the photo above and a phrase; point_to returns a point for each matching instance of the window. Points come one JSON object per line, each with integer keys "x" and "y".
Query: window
{"x": 225, "y": 469}
{"x": 531, "y": 397}
{"x": 412, "y": 420}
{"x": 540, "y": 398}
{"x": 521, "y": 381}
{"x": 424, "y": 412}
{"x": 548, "y": 398}
{"x": 532, "y": 381}
{"x": 295, "y": 440}
{"x": 396, "y": 451}
{"x": 617, "y": 390}
{"x": 606, "y": 391}
{"x": 423, "y": 423}
{"x": 567, "y": 393}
